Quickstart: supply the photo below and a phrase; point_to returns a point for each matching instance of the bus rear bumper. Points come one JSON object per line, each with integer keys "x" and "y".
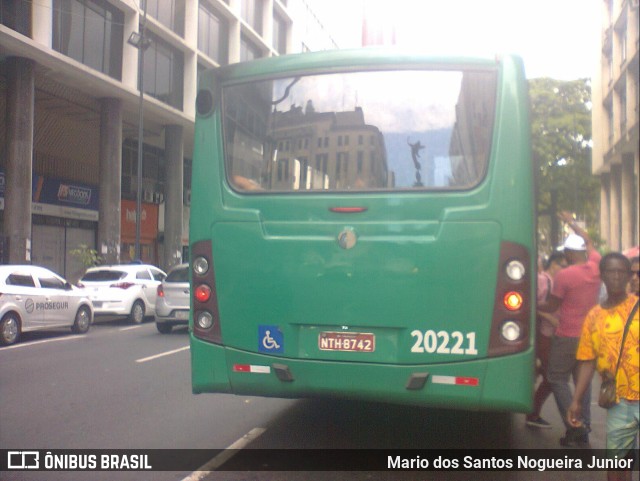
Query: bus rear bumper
{"x": 495, "y": 384}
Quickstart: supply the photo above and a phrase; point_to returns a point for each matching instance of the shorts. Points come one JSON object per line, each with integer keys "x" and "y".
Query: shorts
{"x": 622, "y": 428}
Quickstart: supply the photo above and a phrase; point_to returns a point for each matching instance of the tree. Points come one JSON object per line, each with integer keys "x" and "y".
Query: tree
{"x": 561, "y": 152}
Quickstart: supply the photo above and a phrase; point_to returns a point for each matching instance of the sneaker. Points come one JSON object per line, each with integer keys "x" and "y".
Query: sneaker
{"x": 538, "y": 423}
{"x": 576, "y": 438}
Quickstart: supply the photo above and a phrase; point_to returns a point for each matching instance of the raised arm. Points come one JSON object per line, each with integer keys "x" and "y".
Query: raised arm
{"x": 567, "y": 217}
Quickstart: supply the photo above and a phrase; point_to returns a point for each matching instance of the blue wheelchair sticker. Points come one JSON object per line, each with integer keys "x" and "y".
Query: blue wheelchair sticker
{"x": 270, "y": 339}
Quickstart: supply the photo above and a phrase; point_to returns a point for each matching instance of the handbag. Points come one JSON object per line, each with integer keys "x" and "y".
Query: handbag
{"x": 607, "y": 396}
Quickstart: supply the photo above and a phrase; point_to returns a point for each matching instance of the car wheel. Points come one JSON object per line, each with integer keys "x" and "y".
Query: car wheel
{"x": 137, "y": 312}
{"x": 9, "y": 329}
{"x": 83, "y": 320}
{"x": 163, "y": 327}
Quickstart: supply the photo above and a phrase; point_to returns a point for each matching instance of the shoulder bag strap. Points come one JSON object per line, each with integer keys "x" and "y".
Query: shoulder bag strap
{"x": 624, "y": 335}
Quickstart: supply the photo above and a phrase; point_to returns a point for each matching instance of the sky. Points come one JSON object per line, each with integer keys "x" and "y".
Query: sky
{"x": 556, "y": 38}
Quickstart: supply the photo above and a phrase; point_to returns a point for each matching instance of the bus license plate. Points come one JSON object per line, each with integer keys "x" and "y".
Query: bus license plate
{"x": 347, "y": 341}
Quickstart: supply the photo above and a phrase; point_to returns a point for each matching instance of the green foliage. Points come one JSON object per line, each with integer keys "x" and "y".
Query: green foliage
{"x": 87, "y": 256}
{"x": 561, "y": 149}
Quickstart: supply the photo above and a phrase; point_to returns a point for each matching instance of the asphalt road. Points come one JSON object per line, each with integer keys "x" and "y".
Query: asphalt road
{"x": 128, "y": 387}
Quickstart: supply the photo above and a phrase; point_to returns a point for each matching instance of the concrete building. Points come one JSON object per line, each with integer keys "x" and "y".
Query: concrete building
{"x": 616, "y": 116}
{"x": 70, "y": 109}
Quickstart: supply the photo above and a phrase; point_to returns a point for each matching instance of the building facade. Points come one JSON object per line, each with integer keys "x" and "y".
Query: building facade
{"x": 616, "y": 116}
{"x": 70, "y": 101}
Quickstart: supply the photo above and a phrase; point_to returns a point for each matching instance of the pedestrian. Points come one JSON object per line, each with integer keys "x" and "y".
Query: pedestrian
{"x": 601, "y": 348}
{"x": 575, "y": 291}
{"x": 634, "y": 284}
{"x": 546, "y": 324}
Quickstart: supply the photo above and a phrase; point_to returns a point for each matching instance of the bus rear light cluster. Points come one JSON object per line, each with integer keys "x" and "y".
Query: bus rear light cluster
{"x": 510, "y": 325}
{"x": 206, "y": 323}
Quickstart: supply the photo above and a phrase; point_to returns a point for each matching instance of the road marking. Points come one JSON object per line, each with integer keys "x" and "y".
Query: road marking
{"x": 162, "y": 354}
{"x": 44, "y": 341}
{"x": 129, "y": 328}
{"x": 225, "y": 455}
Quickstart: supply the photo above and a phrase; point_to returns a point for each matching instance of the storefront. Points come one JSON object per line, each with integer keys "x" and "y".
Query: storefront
{"x": 64, "y": 218}
{"x": 148, "y": 232}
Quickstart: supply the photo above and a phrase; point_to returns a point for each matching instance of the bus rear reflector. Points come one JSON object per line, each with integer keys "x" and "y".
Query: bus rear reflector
{"x": 251, "y": 368}
{"x": 455, "y": 380}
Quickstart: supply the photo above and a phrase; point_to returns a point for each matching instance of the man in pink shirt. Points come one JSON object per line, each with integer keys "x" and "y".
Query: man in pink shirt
{"x": 575, "y": 291}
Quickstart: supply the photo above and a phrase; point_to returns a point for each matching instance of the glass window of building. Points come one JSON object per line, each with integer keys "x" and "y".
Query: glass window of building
{"x": 169, "y": 13}
{"x": 279, "y": 41}
{"x": 164, "y": 72}
{"x": 89, "y": 31}
{"x": 248, "y": 50}
{"x": 251, "y": 12}
{"x": 213, "y": 34}
{"x": 153, "y": 173}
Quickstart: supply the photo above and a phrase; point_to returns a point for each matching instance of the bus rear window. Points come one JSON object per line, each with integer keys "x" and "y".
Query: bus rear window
{"x": 362, "y": 131}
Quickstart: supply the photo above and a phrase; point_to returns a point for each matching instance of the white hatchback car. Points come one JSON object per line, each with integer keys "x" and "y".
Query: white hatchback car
{"x": 123, "y": 290}
{"x": 34, "y": 298}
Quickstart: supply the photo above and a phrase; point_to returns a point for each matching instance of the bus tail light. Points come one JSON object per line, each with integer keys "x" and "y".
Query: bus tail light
{"x": 513, "y": 300}
{"x": 206, "y": 318}
{"x": 512, "y": 307}
{"x": 203, "y": 293}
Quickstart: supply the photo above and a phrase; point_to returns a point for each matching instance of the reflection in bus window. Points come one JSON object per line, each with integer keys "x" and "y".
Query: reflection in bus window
{"x": 399, "y": 130}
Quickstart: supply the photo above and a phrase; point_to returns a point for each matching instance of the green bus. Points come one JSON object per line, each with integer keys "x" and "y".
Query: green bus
{"x": 362, "y": 226}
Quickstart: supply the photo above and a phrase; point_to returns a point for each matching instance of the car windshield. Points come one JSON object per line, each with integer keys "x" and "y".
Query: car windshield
{"x": 103, "y": 275}
{"x": 178, "y": 275}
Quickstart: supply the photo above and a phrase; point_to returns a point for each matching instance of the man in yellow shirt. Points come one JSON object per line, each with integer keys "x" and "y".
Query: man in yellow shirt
{"x": 600, "y": 347}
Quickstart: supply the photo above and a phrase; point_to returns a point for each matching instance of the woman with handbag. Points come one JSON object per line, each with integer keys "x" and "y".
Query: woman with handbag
{"x": 609, "y": 344}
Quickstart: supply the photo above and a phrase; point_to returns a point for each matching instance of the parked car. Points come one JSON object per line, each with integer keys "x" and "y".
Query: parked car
{"x": 34, "y": 298}
{"x": 172, "y": 306}
{"x": 123, "y": 290}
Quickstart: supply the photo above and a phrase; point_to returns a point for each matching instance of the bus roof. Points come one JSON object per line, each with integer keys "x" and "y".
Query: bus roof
{"x": 341, "y": 60}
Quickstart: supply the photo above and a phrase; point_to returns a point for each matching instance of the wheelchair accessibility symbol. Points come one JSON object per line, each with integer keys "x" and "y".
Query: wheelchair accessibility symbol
{"x": 270, "y": 339}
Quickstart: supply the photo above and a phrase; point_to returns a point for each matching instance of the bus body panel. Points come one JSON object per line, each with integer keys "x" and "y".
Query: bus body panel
{"x": 420, "y": 278}
{"x": 306, "y": 285}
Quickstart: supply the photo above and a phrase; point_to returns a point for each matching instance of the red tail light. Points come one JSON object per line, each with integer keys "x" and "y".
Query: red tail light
{"x": 160, "y": 291}
{"x": 203, "y": 293}
{"x": 122, "y": 285}
{"x": 513, "y": 300}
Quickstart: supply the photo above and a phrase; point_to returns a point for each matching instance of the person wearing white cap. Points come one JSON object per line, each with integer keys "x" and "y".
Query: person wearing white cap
{"x": 575, "y": 291}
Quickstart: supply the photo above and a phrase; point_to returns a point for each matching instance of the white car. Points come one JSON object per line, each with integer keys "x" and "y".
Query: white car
{"x": 172, "y": 307}
{"x": 34, "y": 298}
{"x": 123, "y": 290}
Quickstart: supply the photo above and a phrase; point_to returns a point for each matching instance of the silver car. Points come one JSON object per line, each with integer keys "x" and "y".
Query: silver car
{"x": 33, "y": 298}
{"x": 172, "y": 304}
